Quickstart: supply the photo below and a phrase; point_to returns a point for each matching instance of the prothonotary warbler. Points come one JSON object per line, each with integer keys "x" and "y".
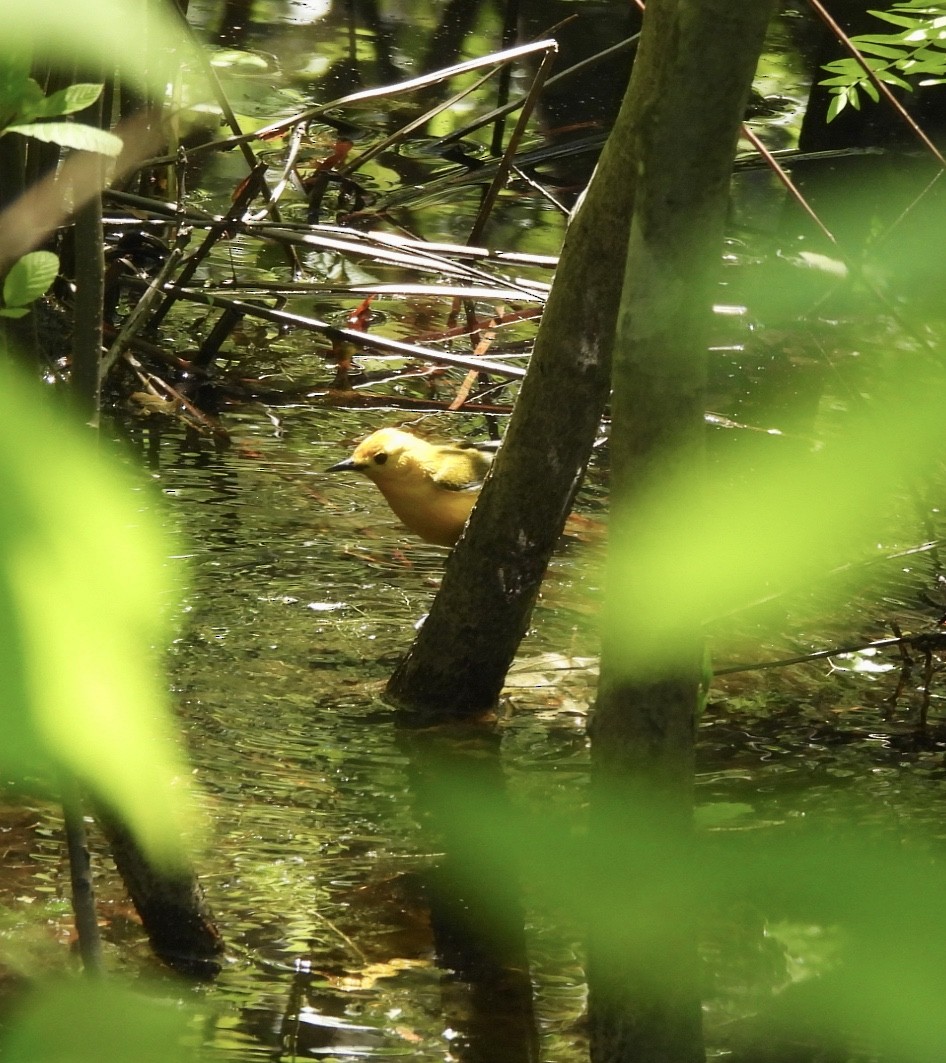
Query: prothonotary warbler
{"x": 431, "y": 487}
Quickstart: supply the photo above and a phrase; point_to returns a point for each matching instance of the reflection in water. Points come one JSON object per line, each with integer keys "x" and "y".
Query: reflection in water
{"x": 479, "y": 935}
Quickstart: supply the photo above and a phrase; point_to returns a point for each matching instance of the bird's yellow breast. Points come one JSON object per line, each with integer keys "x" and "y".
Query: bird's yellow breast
{"x": 436, "y": 514}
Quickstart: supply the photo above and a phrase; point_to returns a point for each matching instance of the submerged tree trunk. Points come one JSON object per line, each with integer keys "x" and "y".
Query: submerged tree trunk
{"x": 689, "y": 88}
{"x": 172, "y": 907}
{"x": 457, "y": 664}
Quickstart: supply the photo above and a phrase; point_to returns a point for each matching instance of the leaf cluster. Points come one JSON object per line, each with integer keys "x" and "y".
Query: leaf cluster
{"x": 27, "y": 110}
{"x": 913, "y": 55}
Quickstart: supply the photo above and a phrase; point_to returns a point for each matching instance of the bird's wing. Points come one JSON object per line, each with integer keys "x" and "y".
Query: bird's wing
{"x": 462, "y": 467}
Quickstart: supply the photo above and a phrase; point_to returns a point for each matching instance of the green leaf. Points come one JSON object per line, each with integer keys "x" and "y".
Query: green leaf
{"x": 71, "y": 135}
{"x": 29, "y": 278}
{"x": 84, "y": 586}
{"x": 836, "y": 106}
{"x": 14, "y": 311}
{"x": 883, "y": 50}
{"x": 933, "y": 55}
{"x": 870, "y": 89}
{"x": 898, "y": 20}
{"x": 880, "y": 38}
{"x": 849, "y": 68}
{"x": 65, "y": 101}
{"x": 925, "y": 68}
{"x": 838, "y": 82}
{"x": 17, "y": 92}
{"x": 888, "y": 77}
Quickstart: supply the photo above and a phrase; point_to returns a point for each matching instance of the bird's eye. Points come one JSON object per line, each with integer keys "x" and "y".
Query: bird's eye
{"x": 380, "y": 458}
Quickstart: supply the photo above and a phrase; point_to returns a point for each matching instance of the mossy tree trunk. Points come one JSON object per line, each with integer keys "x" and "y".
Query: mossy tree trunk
{"x": 689, "y": 88}
{"x": 458, "y": 662}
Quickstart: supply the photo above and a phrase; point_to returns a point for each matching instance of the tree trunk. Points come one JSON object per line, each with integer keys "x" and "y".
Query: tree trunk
{"x": 689, "y": 88}
{"x": 458, "y": 662}
{"x": 174, "y": 913}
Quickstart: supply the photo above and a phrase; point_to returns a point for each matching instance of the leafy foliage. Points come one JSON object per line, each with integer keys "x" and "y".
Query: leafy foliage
{"x": 914, "y": 54}
{"x": 22, "y": 102}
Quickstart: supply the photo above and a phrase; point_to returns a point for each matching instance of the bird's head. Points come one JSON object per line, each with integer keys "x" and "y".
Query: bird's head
{"x": 379, "y": 456}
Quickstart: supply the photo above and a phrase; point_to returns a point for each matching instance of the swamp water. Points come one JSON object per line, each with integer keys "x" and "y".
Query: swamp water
{"x": 304, "y": 591}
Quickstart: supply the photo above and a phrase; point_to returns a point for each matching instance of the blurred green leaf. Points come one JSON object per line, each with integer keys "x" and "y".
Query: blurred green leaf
{"x": 88, "y": 1022}
{"x": 142, "y": 41}
{"x": 71, "y": 135}
{"x": 703, "y": 545}
{"x": 18, "y": 91}
{"x": 857, "y": 902}
{"x": 83, "y": 588}
{"x": 29, "y": 278}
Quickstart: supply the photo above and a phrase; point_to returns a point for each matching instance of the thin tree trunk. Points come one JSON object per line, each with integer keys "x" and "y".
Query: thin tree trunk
{"x": 89, "y": 271}
{"x": 172, "y": 907}
{"x": 689, "y": 87}
{"x": 458, "y": 662}
{"x": 88, "y": 243}
{"x": 80, "y": 873}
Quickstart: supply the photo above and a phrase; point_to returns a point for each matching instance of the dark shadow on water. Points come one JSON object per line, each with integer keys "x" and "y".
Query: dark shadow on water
{"x": 479, "y": 939}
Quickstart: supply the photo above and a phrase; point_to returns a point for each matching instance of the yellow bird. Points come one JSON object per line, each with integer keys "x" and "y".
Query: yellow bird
{"x": 431, "y": 487}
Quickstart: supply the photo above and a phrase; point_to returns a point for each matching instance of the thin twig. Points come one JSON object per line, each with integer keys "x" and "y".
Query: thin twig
{"x": 783, "y": 176}
{"x": 142, "y": 308}
{"x": 361, "y": 339}
{"x": 499, "y": 112}
{"x": 928, "y": 640}
{"x": 502, "y": 170}
{"x": 382, "y": 92}
{"x": 251, "y": 186}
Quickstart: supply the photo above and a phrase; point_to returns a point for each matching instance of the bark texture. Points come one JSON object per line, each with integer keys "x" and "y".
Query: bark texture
{"x": 689, "y": 90}
{"x": 172, "y": 906}
{"x": 458, "y": 662}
